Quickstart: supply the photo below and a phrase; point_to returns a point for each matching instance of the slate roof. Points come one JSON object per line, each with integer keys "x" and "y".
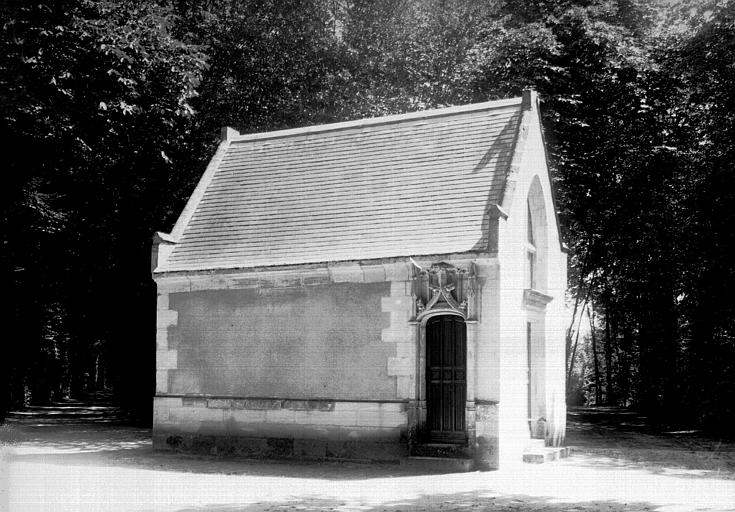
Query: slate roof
{"x": 407, "y": 185}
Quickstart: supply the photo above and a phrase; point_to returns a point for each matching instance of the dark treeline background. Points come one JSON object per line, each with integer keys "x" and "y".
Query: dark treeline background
{"x": 111, "y": 109}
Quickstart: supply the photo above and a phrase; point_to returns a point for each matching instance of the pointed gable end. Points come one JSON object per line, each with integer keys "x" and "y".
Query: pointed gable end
{"x": 405, "y": 185}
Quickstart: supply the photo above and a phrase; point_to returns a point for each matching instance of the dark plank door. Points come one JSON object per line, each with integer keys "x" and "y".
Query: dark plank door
{"x": 446, "y": 365}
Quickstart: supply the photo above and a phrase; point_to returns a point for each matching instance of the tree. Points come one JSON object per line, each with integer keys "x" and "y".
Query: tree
{"x": 110, "y": 110}
{"x": 95, "y": 98}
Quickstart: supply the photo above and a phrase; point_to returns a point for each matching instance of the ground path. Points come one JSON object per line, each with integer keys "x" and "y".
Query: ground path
{"x": 79, "y": 457}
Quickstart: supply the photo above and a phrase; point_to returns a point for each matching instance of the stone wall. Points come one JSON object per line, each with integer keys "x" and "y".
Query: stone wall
{"x": 310, "y": 362}
{"x": 290, "y": 342}
{"x": 319, "y": 429}
{"x": 542, "y": 307}
{"x": 487, "y": 449}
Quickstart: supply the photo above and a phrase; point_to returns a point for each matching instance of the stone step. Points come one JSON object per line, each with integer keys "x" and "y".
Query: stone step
{"x": 548, "y": 454}
{"x": 536, "y": 444}
{"x": 441, "y": 450}
{"x": 438, "y": 464}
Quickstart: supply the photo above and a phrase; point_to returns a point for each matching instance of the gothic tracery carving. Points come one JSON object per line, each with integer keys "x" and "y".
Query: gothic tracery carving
{"x": 444, "y": 287}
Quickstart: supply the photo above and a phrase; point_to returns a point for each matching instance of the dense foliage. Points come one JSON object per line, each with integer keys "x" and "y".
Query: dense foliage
{"x": 110, "y": 110}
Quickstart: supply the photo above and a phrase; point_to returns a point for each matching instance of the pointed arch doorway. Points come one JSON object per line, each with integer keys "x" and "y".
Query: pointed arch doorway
{"x": 446, "y": 378}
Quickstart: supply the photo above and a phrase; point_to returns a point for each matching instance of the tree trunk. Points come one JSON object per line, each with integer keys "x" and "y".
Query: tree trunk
{"x": 577, "y": 297}
{"x": 598, "y": 388}
{"x": 609, "y": 385}
{"x": 571, "y": 323}
{"x": 574, "y": 350}
{"x": 624, "y": 372}
{"x": 670, "y": 340}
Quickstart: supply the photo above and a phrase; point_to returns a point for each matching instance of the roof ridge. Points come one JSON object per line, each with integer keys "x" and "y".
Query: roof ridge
{"x": 232, "y": 135}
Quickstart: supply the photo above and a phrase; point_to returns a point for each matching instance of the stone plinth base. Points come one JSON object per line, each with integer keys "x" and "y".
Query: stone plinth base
{"x": 547, "y": 454}
{"x": 282, "y": 447}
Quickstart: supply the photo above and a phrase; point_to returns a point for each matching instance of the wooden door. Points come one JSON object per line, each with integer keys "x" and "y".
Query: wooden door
{"x": 446, "y": 385}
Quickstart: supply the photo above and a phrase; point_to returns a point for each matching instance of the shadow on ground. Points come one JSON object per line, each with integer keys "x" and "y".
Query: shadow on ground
{"x": 618, "y": 464}
{"x": 99, "y": 409}
{"x": 76, "y": 433}
{"x": 615, "y": 438}
{"x": 477, "y": 501}
{"x": 107, "y": 445}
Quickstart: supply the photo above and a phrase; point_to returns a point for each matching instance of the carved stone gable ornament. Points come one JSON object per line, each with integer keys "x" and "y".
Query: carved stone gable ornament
{"x": 444, "y": 288}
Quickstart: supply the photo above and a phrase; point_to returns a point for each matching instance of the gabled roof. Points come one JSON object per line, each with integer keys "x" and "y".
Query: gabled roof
{"x": 405, "y": 185}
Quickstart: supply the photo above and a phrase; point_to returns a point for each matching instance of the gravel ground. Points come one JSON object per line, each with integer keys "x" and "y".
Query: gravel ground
{"x": 76, "y": 457}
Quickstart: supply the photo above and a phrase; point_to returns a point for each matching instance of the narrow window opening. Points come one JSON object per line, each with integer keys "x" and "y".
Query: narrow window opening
{"x": 529, "y": 227}
{"x": 529, "y": 376}
{"x": 530, "y": 252}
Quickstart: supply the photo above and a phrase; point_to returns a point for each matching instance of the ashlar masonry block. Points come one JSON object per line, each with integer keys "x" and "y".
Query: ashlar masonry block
{"x": 346, "y": 273}
{"x": 166, "y": 318}
{"x": 399, "y": 289}
{"x": 402, "y": 334}
{"x": 405, "y": 386}
{"x": 399, "y": 306}
{"x": 161, "y": 381}
{"x": 398, "y": 271}
{"x": 400, "y": 366}
{"x": 162, "y": 338}
{"x": 382, "y": 419}
{"x": 162, "y": 407}
{"x": 399, "y": 334}
{"x": 373, "y": 273}
{"x": 166, "y": 359}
